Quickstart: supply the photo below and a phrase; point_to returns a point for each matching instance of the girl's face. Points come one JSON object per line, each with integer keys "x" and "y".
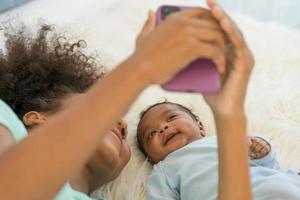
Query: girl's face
{"x": 113, "y": 152}
{"x": 166, "y": 128}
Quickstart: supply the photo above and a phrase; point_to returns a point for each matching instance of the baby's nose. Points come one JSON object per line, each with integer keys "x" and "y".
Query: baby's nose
{"x": 165, "y": 127}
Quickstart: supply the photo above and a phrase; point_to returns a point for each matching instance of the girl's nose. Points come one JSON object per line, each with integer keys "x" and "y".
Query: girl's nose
{"x": 122, "y": 126}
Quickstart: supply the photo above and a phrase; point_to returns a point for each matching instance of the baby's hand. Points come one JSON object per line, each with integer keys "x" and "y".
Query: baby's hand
{"x": 258, "y": 147}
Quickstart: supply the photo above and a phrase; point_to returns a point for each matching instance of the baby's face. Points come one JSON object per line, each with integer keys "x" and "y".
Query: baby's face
{"x": 166, "y": 128}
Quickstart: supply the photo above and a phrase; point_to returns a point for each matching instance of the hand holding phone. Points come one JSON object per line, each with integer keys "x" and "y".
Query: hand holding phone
{"x": 201, "y": 76}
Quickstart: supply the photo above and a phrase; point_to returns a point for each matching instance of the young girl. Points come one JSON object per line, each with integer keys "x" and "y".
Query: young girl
{"x": 41, "y": 77}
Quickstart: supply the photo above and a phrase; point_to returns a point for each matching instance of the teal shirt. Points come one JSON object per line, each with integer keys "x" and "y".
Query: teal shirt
{"x": 191, "y": 173}
{"x": 10, "y": 120}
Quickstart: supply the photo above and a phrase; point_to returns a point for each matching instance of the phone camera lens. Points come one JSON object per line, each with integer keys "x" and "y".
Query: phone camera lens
{"x": 167, "y": 10}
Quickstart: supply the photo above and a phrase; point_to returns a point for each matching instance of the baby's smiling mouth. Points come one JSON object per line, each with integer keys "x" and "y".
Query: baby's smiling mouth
{"x": 169, "y": 137}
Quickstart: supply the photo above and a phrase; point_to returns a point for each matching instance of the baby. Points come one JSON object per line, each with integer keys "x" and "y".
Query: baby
{"x": 186, "y": 161}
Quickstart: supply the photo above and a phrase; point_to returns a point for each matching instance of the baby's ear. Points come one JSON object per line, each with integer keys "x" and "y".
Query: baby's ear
{"x": 201, "y": 127}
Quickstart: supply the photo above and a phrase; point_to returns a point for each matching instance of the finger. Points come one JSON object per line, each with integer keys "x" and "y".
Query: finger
{"x": 149, "y": 24}
{"x": 263, "y": 151}
{"x": 152, "y": 20}
{"x": 253, "y": 155}
{"x": 211, "y": 36}
{"x": 254, "y": 141}
{"x": 211, "y": 3}
{"x": 266, "y": 148}
{"x": 262, "y": 148}
{"x": 228, "y": 25}
{"x": 259, "y": 147}
{"x": 209, "y": 51}
{"x": 234, "y": 35}
{"x": 209, "y": 25}
{"x": 204, "y": 24}
{"x": 249, "y": 142}
{"x": 217, "y": 12}
{"x": 196, "y": 12}
{"x": 254, "y": 145}
{"x": 257, "y": 155}
{"x": 260, "y": 141}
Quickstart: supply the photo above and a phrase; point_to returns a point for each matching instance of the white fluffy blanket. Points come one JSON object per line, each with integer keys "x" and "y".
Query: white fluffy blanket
{"x": 273, "y": 99}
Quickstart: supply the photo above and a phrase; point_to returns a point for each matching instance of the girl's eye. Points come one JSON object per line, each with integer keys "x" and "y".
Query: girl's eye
{"x": 171, "y": 118}
{"x": 151, "y": 134}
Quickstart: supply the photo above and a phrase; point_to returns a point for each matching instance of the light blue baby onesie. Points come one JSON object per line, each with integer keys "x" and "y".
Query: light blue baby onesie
{"x": 192, "y": 173}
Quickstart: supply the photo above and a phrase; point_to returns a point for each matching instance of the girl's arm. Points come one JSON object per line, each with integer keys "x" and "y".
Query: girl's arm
{"x": 228, "y": 109}
{"x": 38, "y": 166}
{"x": 234, "y": 181}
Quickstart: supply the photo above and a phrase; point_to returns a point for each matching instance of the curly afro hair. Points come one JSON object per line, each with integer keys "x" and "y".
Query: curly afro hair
{"x": 37, "y": 71}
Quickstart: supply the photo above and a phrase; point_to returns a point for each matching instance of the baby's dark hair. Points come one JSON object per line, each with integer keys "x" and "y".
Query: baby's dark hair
{"x": 38, "y": 70}
{"x": 143, "y": 113}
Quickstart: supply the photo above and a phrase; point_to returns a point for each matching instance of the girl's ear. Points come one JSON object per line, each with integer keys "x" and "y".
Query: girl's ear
{"x": 33, "y": 118}
{"x": 201, "y": 127}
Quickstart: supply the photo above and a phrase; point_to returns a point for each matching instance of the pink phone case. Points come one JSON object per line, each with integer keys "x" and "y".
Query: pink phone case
{"x": 201, "y": 76}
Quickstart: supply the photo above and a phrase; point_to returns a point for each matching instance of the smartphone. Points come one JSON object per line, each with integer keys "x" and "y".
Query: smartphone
{"x": 201, "y": 76}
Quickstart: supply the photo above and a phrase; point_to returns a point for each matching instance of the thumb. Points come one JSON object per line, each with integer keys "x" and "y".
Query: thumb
{"x": 249, "y": 142}
{"x": 149, "y": 24}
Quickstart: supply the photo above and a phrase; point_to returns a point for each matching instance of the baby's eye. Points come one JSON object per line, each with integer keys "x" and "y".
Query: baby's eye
{"x": 151, "y": 134}
{"x": 171, "y": 118}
